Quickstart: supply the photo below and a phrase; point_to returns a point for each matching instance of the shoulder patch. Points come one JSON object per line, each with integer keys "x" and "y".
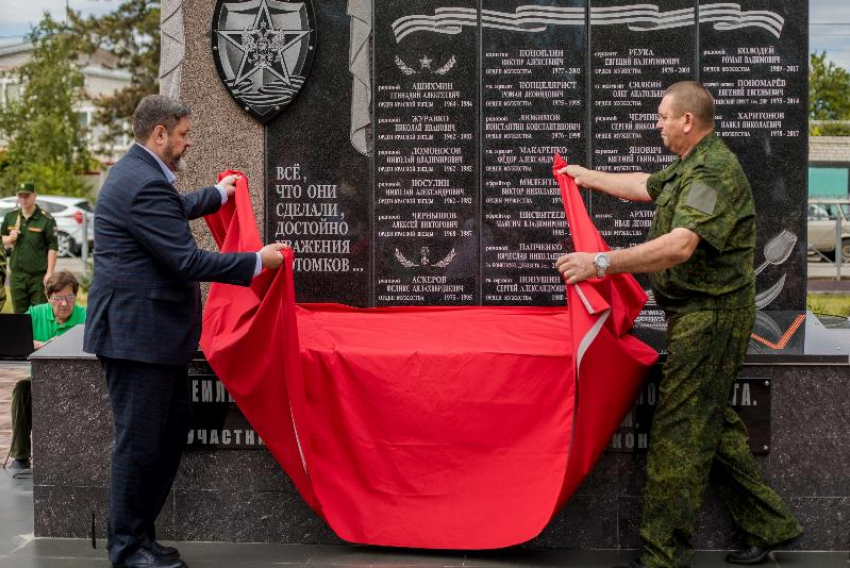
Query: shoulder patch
{"x": 702, "y": 197}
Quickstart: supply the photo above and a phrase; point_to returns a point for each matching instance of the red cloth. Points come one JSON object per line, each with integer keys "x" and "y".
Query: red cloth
{"x": 427, "y": 427}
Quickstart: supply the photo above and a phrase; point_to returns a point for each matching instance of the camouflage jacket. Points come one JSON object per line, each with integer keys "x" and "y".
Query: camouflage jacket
{"x": 708, "y": 193}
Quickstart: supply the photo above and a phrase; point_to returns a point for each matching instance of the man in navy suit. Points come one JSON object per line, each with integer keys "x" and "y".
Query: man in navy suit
{"x": 144, "y": 319}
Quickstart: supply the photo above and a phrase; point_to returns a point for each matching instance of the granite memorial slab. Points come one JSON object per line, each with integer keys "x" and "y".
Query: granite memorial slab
{"x": 427, "y": 183}
{"x": 636, "y": 53}
{"x": 534, "y": 71}
{"x": 754, "y": 60}
{"x": 317, "y": 165}
{"x": 417, "y": 170}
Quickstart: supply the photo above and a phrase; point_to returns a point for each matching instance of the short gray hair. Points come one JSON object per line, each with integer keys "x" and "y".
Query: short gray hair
{"x": 155, "y": 110}
{"x": 692, "y": 97}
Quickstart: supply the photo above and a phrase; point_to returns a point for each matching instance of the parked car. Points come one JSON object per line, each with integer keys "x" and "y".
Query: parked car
{"x": 821, "y": 226}
{"x": 69, "y": 213}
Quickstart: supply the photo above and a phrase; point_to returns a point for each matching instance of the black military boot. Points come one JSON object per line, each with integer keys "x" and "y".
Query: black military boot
{"x": 750, "y": 555}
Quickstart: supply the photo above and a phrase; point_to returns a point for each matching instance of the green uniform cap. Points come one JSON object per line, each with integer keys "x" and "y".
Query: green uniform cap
{"x": 25, "y": 187}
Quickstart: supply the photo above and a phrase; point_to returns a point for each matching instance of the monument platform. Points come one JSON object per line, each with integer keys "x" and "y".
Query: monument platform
{"x": 239, "y": 494}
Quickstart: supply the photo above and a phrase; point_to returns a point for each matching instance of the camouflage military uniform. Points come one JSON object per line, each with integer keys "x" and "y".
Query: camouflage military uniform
{"x": 709, "y": 302}
{"x": 28, "y": 262}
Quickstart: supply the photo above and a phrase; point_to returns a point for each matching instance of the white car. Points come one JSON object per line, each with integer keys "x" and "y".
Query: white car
{"x": 822, "y": 221}
{"x": 69, "y": 213}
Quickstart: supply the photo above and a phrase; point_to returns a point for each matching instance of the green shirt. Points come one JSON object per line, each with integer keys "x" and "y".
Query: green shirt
{"x": 37, "y": 235}
{"x": 45, "y": 326}
{"x": 708, "y": 193}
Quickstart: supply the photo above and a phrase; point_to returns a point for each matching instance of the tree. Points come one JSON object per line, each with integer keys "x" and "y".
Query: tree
{"x": 131, "y": 34}
{"x": 46, "y": 144}
{"x": 829, "y": 95}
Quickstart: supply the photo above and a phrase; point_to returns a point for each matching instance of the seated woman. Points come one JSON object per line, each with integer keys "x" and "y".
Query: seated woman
{"x": 49, "y": 320}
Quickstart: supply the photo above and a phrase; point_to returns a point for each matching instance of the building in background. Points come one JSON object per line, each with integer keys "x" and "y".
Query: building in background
{"x": 101, "y": 80}
{"x": 829, "y": 167}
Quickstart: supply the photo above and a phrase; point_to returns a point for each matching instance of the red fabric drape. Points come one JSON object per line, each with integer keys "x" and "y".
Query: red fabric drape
{"x": 427, "y": 427}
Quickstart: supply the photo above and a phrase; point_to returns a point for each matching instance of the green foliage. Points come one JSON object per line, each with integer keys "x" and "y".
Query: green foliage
{"x": 46, "y": 142}
{"x": 131, "y": 33}
{"x": 829, "y": 304}
{"x": 829, "y": 96}
{"x": 828, "y": 128}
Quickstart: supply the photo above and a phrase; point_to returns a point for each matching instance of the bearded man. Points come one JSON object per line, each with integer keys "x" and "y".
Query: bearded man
{"x": 144, "y": 319}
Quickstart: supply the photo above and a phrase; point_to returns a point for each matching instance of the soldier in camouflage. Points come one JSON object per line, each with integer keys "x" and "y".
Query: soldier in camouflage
{"x": 31, "y": 234}
{"x": 699, "y": 254}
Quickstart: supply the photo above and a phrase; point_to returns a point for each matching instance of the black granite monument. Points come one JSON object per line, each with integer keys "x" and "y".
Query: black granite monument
{"x": 417, "y": 171}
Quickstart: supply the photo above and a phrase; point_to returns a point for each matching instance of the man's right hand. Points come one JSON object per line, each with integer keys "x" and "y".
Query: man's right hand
{"x": 13, "y": 236}
{"x": 271, "y": 256}
{"x": 579, "y": 174}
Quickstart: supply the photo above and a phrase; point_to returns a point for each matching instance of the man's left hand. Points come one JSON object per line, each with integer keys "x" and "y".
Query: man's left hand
{"x": 577, "y": 266}
{"x": 47, "y": 276}
{"x": 229, "y": 184}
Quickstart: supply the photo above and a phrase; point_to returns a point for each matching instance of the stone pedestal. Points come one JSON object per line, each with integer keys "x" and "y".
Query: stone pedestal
{"x": 242, "y": 495}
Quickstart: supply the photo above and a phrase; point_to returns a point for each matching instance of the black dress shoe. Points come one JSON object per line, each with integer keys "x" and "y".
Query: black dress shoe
{"x": 147, "y": 558}
{"x": 20, "y": 464}
{"x": 750, "y": 555}
{"x": 167, "y": 552}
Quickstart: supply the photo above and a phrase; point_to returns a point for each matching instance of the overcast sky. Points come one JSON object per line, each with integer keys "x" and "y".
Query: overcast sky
{"x": 830, "y": 21}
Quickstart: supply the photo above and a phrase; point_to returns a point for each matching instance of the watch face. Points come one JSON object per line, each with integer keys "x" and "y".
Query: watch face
{"x": 602, "y": 261}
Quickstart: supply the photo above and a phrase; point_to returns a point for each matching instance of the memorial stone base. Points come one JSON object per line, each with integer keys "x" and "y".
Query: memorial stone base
{"x": 243, "y": 495}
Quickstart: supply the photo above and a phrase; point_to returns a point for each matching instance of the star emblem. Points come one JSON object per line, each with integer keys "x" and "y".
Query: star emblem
{"x": 263, "y": 46}
{"x": 425, "y": 62}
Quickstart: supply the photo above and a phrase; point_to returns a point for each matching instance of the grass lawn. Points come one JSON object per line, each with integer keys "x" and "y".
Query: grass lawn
{"x": 832, "y": 304}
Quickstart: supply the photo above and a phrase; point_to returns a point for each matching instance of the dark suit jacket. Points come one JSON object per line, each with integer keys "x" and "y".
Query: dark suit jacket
{"x": 145, "y": 302}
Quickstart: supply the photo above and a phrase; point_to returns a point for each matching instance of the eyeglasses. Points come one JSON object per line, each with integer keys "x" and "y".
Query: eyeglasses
{"x": 59, "y": 299}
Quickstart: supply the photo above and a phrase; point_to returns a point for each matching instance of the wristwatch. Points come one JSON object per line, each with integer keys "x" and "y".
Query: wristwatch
{"x": 601, "y": 262}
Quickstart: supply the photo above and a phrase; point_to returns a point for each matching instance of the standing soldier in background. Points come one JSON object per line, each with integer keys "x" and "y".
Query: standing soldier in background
{"x": 31, "y": 234}
{"x": 699, "y": 253}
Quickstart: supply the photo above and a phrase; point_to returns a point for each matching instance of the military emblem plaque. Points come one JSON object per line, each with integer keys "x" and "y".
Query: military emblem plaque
{"x": 263, "y": 50}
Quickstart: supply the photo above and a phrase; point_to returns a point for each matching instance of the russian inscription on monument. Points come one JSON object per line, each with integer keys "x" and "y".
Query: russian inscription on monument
{"x": 417, "y": 170}
{"x": 317, "y": 170}
{"x": 632, "y": 65}
{"x": 426, "y": 188}
{"x": 428, "y": 180}
{"x": 533, "y": 106}
{"x": 759, "y": 80}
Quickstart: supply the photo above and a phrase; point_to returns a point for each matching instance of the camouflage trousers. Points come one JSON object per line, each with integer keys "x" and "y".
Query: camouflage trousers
{"x": 696, "y": 436}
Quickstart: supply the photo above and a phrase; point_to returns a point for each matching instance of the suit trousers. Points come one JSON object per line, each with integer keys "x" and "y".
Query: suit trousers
{"x": 152, "y": 414}
{"x": 22, "y": 420}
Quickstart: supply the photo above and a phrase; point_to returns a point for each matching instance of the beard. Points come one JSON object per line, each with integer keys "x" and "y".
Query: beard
{"x": 175, "y": 162}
